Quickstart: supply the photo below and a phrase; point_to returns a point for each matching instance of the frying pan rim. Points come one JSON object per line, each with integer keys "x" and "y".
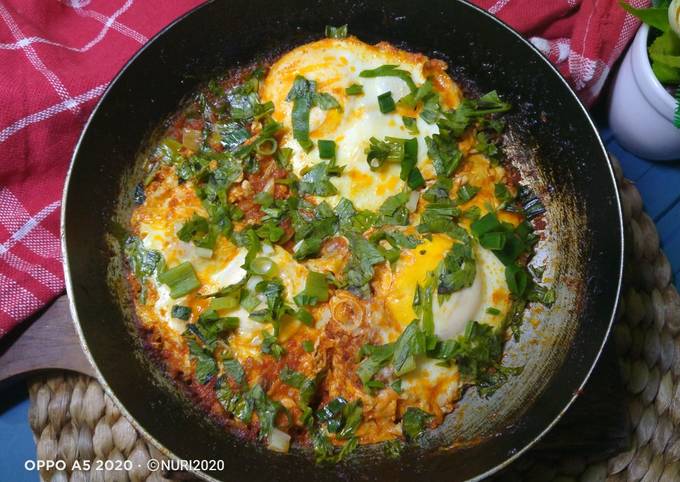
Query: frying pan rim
{"x": 69, "y": 282}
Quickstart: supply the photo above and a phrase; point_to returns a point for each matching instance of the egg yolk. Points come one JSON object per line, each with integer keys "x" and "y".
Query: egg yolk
{"x": 412, "y": 269}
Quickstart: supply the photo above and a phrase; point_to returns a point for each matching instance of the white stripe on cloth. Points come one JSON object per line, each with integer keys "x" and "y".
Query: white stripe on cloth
{"x": 35, "y": 61}
{"x": 116, "y": 25}
{"x": 109, "y": 22}
{"x": 35, "y": 271}
{"x": 16, "y": 126}
{"x": 26, "y": 229}
{"x": 498, "y": 6}
{"x": 77, "y": 3}
{"x": 15, "y": 300}
{"x": 29, "y": 223}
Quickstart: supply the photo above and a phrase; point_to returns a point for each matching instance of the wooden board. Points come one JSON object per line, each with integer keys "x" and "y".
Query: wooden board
{"x": 49, "y": 341}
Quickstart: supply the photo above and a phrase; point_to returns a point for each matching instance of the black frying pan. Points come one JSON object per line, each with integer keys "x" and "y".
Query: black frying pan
{"x": 551, "y": 141}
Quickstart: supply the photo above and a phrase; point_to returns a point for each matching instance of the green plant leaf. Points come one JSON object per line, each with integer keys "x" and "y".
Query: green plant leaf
{"x": 654, "y": 17}
{"x": 664, "y": 54}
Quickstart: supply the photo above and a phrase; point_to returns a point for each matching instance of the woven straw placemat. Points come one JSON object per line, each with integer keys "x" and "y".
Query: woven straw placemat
{"x": 73, "y": 419}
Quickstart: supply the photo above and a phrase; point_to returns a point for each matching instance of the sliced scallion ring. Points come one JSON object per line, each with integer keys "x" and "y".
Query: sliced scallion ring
{"x": 266, "y": 147}
{"x": 264, "y": 267}
{"x": 224, "y": 303}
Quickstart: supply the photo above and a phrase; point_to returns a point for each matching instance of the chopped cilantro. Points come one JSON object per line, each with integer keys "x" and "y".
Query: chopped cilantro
{"x": 271, "y": 346}
{"x": 316, "y": 180}
{"x": 316, "y": 290}
{"x": 359, "y": 269}
{"x": 414, "y": 421}
{"x": 390, "y": 71}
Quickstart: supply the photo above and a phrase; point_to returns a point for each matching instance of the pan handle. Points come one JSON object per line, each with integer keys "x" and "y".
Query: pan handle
{"x": 48, "y": 342}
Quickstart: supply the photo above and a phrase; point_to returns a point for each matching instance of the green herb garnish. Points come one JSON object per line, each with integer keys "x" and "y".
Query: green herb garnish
{"x": 181, "y": 312}
{"x": 307, "y": 386}
{"x": 355, "y": 89}
{"x": 316, "y": 290}
{"x": 359, "y": 270}
{"x": 390, "y": 71}
{"x": 467, "y": 192}
{"x": 302, "y": 95}
{"x": 326, "y": 149}
{"x": 414, "y": 421}
{"x": 389, "y": 150}
{"x": 386, "y": 102}
{"x": 336, "y": 32}
{"x": 317, "y": 179}
{"x": 181, "y": 280}
{"x": 271, "y": 346}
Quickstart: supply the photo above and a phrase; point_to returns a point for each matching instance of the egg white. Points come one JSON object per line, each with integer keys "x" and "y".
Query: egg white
{"x": 451, "y": 315}
{"x": 218, "y": 272}
{"x": 335, "y": 65}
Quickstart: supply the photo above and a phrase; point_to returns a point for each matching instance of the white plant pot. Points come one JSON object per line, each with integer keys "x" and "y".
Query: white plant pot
{"x": 641, "y": 111}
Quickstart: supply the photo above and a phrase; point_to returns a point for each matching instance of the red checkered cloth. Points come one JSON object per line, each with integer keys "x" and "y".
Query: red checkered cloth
{"x": 59, "y": 56}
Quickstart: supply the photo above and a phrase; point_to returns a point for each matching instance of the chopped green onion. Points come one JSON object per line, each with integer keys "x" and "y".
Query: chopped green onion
{"x": 264, "y": 267}
{"x": 415, "y": 179}
{"x": 181, "y": 312}
{"x": 542, "y": 294}
{"x": 389, "y": 150}
{"x": 374, "y": 385}
{"x": 493, "y": 311}
{"x": 308, "y": 346}
{"x": 421, "y": 93}
{"x": 266, "y": 147}
{"x": 283, "y": 156}
{"x": 191, "y": 138}
{"x": 473, "y": 213}
{"x": 250, "y": 302}
{"x": 485, "y": 224}
{"x": 467, "y": 192}
{"x": 326, "y": 149}
{"x": 502, "y": 193}
{"x": 305, "y": 317}
{"x": 336, "y": 32}
{"x": 410, "y": 158}
{"x": 409, "y": 172}
{"x": 302, "y": 95}
{"x": 355, "y": 89}
{"x": 412, "y": 203}
{"x": 326, "y": 101}
{"x": 316, "y": 290}
{"x": 390, "y": 71}
{"x": 264, "y": 199}
{"x": 168, "y": 151}
{"x": 224, "y": 303}
{"x": 396, "y": 386}
{"x": 411, "y": 124}
{"x": 181, "y": 280}
{"x": 493, "y": 241}
{"x": 386, "y": 102}
{"x": 517, "y": 279}
{"x": 278, "y": 440}
{"x": 204, "y": 253}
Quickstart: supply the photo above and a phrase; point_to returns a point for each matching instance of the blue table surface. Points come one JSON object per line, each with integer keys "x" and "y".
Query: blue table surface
{"x": 658, "y": 183}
